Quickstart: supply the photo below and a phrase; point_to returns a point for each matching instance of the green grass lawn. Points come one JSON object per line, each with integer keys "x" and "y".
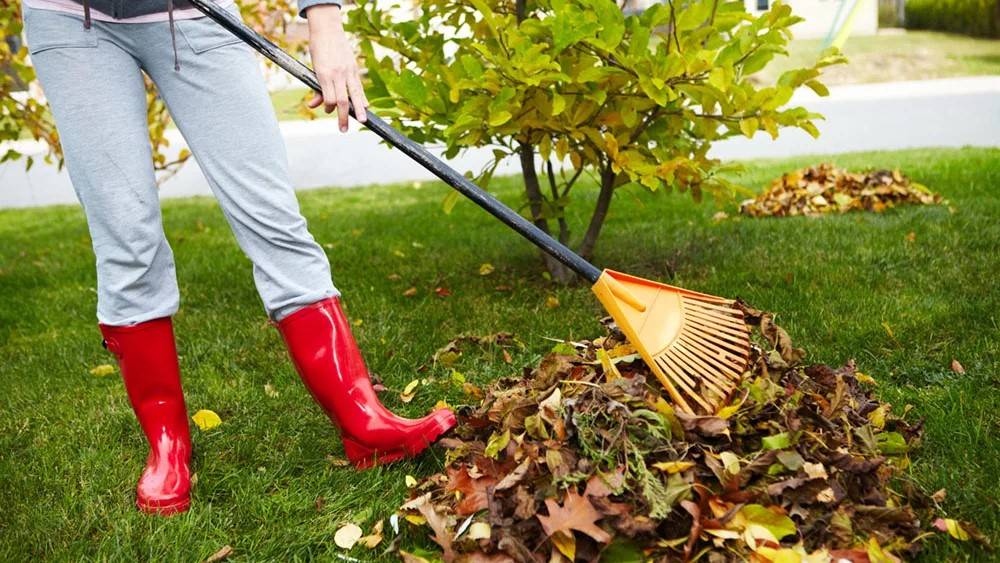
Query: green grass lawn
{"x": 913, "y": 55}
{"x": 852, "y": 286}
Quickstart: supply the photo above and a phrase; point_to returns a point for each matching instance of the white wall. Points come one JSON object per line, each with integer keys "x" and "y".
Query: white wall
{"x": 820, "y": 14}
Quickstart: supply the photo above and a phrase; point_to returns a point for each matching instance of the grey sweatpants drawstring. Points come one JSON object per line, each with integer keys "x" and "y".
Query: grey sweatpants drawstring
{"x": 173, "y": 33}
{"x": 170, "y": 17}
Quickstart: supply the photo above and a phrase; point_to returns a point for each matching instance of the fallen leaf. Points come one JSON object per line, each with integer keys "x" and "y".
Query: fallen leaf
{"x": 410, "y": 481}
{"x": 206, "y": 419}
{"x": 409, "y": 391}
{"x": 270, "y": 391}
{"x": 471, "y": 491}
{"x": 408, "y": 557}
{"x": 410, "y": 292}
{"x": 551, "y": 302}
{"x": 347, "y": 536}
{"x": 442, "y": 292}
{"x": 102, "y": 370}
{"x": 671, "y": 467}
{"x": 576, "y": 514}
{"x": 221, "y": 555}
{"x": 479, "y": 531}
{"x": 434, "y": 519}
{"x": 486, "y": 269}
{"x": 565, "y": 542}
{"x": 953, "y": 527}
{"x": 957, "y": 367}
{"x": 374, "y": 538}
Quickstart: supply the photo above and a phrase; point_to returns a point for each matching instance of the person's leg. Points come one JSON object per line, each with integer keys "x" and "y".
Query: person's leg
{"x": 220, "y": 103}
{"x": 95, "y": 90}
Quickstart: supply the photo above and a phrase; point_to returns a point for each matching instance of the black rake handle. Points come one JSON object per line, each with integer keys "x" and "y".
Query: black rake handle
{"x": 415, "y": 151}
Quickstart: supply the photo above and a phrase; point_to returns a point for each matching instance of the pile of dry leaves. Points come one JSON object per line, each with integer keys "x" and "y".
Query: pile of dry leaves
{"x": 826, "y": 189}
{"x": 582, "y": 459}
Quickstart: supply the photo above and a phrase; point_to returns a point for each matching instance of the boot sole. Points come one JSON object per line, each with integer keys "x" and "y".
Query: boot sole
{"x": 164, "y": 508}
{"x": 364, "y": 457}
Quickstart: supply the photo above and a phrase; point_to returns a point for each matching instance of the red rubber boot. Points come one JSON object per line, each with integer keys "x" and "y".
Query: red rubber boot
{"x": 327, "y": 358}
{"x": 147, "y": 357}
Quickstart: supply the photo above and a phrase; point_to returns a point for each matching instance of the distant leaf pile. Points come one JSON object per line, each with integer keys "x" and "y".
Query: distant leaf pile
{"x": 580, "y": 459}
{"x": 826, "y": 189}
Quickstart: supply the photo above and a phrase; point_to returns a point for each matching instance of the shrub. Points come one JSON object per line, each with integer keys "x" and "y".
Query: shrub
{"x": 579, "y": 87}
{"x": 971, "y": 17}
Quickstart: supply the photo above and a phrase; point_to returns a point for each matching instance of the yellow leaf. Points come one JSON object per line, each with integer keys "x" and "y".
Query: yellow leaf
{"x": 441, "y": 404}
{"x": 566, "y": 544}
{"x": 731, "y": 462}
{"x": 347, "y": 536}
{"x": 358, "y": 322}
{"x": 102, "y": 370}
{"x": 410, "y": 481}
{"x": 499, "y": 118}
{"x": 671, "y": 467}
{"x": 864, "y": 378}
{"x": 611, "y": 372}
{"x": 411, "y": 386}
{"x": 415, "y": 519}
{"x": 953, "y": 527}
{"x": 486, "y": 269}
{"x": 877, "y": 417}
{"x": 206, "y": 419}
{"x": 730, "y": 410}
{"x": 374, "y": 538}
{"x": 552, "y": 302}
{"x": 479, "y": 531}
{"x": 558, "y": 105}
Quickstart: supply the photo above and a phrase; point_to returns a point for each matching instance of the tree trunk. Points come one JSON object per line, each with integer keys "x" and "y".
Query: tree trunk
{"x": 600, "y": 213}
{"x": 559, "y": 272}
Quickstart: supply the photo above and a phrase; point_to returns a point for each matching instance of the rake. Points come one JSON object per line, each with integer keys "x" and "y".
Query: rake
{"x": 697, "y": 345}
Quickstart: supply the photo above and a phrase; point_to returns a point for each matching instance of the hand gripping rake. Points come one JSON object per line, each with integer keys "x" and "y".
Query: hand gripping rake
{"x": 696, "y": 344}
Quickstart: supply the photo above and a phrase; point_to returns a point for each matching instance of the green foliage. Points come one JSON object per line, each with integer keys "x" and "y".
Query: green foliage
{"x": 971, "y": 17}
{"x": 634, "y": 100}
{"x": 24, "y": 113}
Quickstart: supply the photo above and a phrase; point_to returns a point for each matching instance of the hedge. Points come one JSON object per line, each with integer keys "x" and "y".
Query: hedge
{"x": 971, "y": 17}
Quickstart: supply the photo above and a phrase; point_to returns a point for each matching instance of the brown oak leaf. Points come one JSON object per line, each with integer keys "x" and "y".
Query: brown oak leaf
{"x": 473, "y": 490}
{"x": 576, "y": 513}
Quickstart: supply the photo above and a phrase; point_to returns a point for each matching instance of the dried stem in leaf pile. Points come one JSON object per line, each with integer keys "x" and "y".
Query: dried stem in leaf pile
{"x": 582, "y": 458}
{"x": 826, "y": 189}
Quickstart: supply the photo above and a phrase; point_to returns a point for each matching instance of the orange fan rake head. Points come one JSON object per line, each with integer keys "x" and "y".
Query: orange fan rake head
{"x": 697, "y": 345}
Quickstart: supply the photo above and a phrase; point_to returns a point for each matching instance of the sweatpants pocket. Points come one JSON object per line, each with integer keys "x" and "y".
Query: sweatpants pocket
{"x": 48, "y": 29}
{"x": 203, "y": 34}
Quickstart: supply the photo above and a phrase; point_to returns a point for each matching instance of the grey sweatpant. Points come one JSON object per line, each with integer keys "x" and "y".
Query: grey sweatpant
{"x": 93, "y": 82}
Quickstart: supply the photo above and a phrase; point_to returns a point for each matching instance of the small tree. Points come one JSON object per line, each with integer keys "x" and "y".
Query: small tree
{"x": 627, "y": 99}
{"x": 24, "y": 115}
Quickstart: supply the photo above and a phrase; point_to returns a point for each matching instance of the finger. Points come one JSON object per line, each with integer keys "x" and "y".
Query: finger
{"x": 358, "y": 100}
{"x": 329, "y": 95}
{"x": 315, "y": 102}
{"x": 340, "y": 88}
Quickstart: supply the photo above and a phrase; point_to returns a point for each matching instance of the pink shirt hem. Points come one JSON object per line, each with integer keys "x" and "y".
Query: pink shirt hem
{"x": 70, "y": 7}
